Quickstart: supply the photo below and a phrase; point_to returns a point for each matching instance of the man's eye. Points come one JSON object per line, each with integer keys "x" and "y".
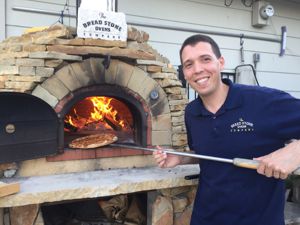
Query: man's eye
{"x": 186, "y": 66}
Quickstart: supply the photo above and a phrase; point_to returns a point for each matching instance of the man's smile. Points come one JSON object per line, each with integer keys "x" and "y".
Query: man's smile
{"x": 202, "y": 80}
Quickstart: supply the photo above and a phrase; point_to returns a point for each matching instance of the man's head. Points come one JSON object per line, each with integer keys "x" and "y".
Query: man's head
{"x": 202, "y": 64}
{"x": 193, "y": 40}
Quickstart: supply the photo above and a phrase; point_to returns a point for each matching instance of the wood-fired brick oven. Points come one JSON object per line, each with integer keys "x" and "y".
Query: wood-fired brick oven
{"x": 144, "y": 88}
{"x": 60, "y": 77}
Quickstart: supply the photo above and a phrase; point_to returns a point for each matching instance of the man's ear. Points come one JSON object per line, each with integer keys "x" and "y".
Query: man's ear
{"x": 181, "y": 75}
{"x": 222, "y": 62}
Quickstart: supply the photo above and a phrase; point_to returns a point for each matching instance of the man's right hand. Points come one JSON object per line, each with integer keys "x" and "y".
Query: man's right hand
{"x": 165, "y": 160}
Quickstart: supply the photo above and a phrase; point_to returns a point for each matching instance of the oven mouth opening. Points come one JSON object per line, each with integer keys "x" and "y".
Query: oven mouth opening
{"x": 100, "y": 114}
{"x": 128, "y": 118}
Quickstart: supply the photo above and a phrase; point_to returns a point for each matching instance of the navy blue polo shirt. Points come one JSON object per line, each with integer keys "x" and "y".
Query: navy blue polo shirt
{"x": 253, "y": 121}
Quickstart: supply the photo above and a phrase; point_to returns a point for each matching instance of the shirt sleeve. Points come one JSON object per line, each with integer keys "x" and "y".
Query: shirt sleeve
{"x": 285, "y": 111}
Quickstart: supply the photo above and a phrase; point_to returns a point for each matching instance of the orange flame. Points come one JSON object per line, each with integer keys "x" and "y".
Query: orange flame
{"x": 102, "y": 111}
{"x": 69, "y": 119}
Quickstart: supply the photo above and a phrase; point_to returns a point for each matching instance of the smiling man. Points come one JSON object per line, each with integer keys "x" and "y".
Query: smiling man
{"x": 231, "y": 120}
{"x": 202, "y": 67}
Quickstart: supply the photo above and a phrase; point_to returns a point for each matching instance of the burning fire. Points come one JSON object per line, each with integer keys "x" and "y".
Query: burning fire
{"x": 101, "y": 115}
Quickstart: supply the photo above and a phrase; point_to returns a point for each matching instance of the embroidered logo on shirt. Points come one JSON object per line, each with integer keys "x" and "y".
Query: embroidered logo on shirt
{"x": 242, "y": 126}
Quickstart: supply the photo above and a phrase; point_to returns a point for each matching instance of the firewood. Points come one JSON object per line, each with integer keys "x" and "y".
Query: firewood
{"x": 111, "y": 122}
{"x": 8, "y": 188}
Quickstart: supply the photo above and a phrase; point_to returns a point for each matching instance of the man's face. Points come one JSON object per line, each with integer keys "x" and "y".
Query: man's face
{"x": 202, "y": 68}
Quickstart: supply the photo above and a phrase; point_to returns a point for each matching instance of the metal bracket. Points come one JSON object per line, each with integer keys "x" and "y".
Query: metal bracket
{"x": 154, "y": 95}
{"x": 106, "y": 61}
{"x": 283, "y": 41}
{"x": 242, "y": 48}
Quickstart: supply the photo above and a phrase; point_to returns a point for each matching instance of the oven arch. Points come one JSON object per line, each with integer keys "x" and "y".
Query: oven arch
{"x": 58, "y": 89}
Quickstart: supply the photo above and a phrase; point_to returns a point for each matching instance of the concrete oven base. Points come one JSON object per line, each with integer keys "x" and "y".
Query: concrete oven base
{"x": 54, "y": 189}
{"x": 164, "y": 187}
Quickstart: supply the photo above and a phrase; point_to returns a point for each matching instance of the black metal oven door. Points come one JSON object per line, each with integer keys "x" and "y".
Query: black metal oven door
{"x": 28, "y": 127}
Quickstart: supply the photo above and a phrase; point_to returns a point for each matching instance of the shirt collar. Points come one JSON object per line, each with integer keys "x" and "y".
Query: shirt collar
{"x": 233, "y": 100}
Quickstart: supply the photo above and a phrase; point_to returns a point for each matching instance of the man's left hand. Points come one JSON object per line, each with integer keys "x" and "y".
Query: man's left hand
{"x": 281, "y": 163}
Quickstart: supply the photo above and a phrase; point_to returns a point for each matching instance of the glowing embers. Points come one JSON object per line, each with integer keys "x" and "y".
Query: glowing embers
{"x": 99, "y": 113}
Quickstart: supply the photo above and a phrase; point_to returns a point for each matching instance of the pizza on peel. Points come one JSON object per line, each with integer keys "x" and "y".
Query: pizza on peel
{"x": 93, "y": 141}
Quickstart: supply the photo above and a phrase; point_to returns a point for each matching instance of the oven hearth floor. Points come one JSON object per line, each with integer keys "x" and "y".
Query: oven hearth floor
{"x": 93, "y": 184}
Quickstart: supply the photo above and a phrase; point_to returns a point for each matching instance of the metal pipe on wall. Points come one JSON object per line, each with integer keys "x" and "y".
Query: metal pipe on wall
{"x": 159, "y": 26}
{"x": 41, "y": 11}
{"x": 178, "y": 28}
{"x": 281, "y": 40}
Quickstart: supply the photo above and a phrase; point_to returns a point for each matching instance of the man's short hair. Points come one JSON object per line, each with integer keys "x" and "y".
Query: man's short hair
{"x": 195, "y": 39}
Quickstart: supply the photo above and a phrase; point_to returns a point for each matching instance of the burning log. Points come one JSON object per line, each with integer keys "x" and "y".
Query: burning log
{"x": 70, "y": 127}
{"x": 111, "y": 122}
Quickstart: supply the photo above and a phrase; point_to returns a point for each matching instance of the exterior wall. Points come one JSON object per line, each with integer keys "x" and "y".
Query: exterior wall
{"x": 203, "y": 15}
{"x": 22, "y": 14}
{"x": 2, "y": 19}
{"x": 214, "y": 16}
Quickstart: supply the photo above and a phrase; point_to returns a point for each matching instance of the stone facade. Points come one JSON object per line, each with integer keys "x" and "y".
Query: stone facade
{"x": 52, "y": 63}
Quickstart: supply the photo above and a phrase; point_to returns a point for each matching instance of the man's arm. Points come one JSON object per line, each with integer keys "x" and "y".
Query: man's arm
{"x": 281, "y": 163}
{"x": 165, "y": 160}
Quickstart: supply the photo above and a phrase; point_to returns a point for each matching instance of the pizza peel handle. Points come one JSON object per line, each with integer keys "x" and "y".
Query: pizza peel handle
{"x": 239, "y": 162}
{"x": 174, "y": 152}
{"x": 252, "y": 164}
{"x": 246, "y": 163}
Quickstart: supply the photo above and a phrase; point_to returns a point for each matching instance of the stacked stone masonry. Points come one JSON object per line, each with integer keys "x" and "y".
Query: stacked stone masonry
{"x": 33, "y": 61}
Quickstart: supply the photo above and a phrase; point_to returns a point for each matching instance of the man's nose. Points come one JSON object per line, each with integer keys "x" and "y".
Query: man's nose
{"x": 198, "y": 67}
